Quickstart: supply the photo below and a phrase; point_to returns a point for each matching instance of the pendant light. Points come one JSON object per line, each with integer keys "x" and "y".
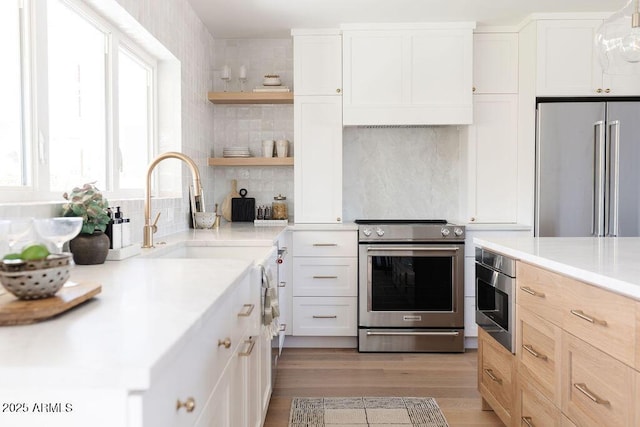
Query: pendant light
{"x": 618, "y": 39}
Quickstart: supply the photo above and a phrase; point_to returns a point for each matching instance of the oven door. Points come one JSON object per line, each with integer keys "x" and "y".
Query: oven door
{"x": 494, "y": 305}
{"x": 411, "y": 285}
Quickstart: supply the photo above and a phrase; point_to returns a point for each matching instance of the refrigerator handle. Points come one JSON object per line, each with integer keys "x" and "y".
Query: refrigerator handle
{"x": 599, "y": 179}
{"x": 614, "y": 179}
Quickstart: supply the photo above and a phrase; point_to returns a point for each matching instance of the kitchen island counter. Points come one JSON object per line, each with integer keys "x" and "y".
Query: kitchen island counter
{"x": 609, "y": 263}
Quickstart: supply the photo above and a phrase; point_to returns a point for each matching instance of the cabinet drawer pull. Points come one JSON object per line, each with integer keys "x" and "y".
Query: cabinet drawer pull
{"x": 283, "y": 327}
{"x": 582, "y": 387}
{"x": 189, "y": 405}
{"x": 282, "y": 284}
{"x": 325, "y": 277}
{"x": 532, "y": 292}
{"x": 226, "y": 342}
{"x": 249, "y": 309}
{"x": 325, "y": 317}
{"x": 491, "y": 375}
{"x": 534, "y": 353}
{"x": 528, "y": 422}
{"x": 588, "y": 318}
{"x": 325, "y": 244}
{"x": 251, "y": 341}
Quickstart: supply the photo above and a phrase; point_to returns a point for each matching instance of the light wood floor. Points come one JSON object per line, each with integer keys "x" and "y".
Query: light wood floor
{"x": 450, "y": 378}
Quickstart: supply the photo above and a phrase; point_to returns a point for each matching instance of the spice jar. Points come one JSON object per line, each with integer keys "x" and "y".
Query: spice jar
{"x": 279, "y": 207}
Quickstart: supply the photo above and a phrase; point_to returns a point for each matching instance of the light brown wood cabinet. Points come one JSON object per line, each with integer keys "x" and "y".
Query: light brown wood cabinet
{"x": 539, "y": 290}
{"x": 533, "y": 408}
{"x": 496, "y": 372}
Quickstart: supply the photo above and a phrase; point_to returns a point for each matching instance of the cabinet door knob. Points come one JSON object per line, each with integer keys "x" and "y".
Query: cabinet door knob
{"x": 189, "y": 405}
{"x": 226, "y": 342}
{"x": 473, "y": 89}
{"x": 599, "y": 90}
{"x": 607, "y": 90}
{"x": 338, "y": 90}
{"x": 473, "y": 219}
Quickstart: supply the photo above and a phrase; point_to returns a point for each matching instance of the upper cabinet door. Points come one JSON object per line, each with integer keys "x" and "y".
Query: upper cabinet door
{"x": 495, "y": 63}
{"x": 412, "y": 76}
{"x": 318, "y": 64}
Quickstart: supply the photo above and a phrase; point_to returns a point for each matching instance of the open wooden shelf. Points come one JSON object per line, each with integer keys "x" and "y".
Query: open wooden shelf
{"x": 250, "y": 161}
{"x": 251, "y": 97}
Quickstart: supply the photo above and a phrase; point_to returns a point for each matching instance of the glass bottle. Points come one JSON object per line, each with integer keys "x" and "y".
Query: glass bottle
{"x": 279, "y": 207}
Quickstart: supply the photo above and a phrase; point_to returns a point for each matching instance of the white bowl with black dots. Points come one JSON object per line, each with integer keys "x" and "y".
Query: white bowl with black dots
{"x": 36, "y": 279}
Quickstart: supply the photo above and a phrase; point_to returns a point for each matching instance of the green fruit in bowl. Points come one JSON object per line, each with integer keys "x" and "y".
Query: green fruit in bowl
{"x": 34, "y": 252}
{"x": 12, "y": 256}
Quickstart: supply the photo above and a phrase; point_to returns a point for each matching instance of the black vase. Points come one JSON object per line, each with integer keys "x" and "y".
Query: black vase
{"x": 90, "y": 249}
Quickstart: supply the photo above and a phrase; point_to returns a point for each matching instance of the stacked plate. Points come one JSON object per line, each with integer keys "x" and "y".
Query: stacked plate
{"x": 236, "y": 152}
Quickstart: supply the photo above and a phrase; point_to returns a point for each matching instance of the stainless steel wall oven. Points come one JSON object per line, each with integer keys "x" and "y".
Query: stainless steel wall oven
{"x": 410, "y": 286}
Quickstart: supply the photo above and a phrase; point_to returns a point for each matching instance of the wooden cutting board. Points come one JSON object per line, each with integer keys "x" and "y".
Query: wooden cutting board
{"x": 14, "y": 311}
{"x": 226, "y": 203}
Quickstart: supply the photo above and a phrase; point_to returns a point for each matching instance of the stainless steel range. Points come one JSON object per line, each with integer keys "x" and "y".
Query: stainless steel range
{"x": 410, "y": 286}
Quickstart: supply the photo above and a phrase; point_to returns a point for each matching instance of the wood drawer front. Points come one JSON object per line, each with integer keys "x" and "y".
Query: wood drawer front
{"x": 325, "y": 316}
{"x": 539, "y": 291}
{"x": 597, "y": 389}
{"x": 496, "y": 371}
{"x": 638, "y": 345}
{"x": 534, "y": 409}
{"x": 538, "y": 351}
{"x": 603, "y": 319}
{"x": 325, "y": 243}
{"x": 316, "y": 277}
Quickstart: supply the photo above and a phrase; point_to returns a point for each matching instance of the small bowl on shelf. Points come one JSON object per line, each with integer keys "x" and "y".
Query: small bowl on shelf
{"x": 205, "y": 219}
{"x": 36, "y": 279}
{"x": 271, "y": 80}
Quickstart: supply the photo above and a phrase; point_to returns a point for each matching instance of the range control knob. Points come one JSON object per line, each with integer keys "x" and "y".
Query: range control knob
{"x": 445, "y": 232}
{"x": 458, "y": 231}
{"x": 379, "y": 231}
{"x": 367, "y": 232}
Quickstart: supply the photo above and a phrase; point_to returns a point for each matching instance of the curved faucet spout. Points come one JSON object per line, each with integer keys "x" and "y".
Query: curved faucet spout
{"x": 150, "y": 229}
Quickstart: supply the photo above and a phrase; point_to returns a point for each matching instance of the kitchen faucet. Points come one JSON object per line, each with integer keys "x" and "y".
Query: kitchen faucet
{"x": 197, "y": 204}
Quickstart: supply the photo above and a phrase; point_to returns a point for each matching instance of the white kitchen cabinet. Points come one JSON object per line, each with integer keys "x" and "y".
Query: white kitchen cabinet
{"x": 568, "y": 65}
{"x": 407, "y": 74}
{"x": 318, "y": 160}
{"x": 495, "y": 63}
{"x": 317, "y": 68}
{"x": 492, "y": 150}
{"x": 285, "y": 285}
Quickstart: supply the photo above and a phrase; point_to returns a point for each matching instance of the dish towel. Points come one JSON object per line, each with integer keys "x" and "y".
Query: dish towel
{"x": 271, "y": 309}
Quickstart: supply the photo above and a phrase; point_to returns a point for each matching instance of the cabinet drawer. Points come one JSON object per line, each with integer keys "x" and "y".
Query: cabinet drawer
{"x": 325, "y": 316}
{"x": 325, "y": 243}
{"x": 597, "y": 390}
{"x": 325, "y": 277}
{"x": 538, "y": 290}
{"x": 495, "y": 375}
{"x": 638, "y": 344}
{"x": 538, "y": 352}
{"x": 534, "y": 409}
{"x": 603, "y": 319}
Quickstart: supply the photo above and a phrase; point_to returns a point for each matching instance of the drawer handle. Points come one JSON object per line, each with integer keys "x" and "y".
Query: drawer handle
{"x": 582, "y": 387}
{"x": 189, "y": 405}
{"x": 282, "y": 284}
{"x": 325, "y": 244}
{"x": 532, "y": 292}
{"x": 252, "y": 342}
{"x": 283, "y": 327}
{"x": 325, "y": 317}
{"x": 325, "y": 277}
{"x": 226, "y": 342}
{"x": 534, "y": 353}
{"x": 491, "y": 375}
{"x": 588, "y": 318}
{"x": 528, "y": 422}
{"x": 249, "y": 309}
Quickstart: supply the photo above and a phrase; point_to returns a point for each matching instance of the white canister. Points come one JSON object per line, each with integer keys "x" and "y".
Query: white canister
{"x": 282, "y": 147}
{"x": 267, "y": 148}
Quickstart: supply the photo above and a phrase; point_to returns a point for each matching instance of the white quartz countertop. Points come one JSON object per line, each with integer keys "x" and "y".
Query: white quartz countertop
{"x": 146, "y": 309}
{"x": 609, "y": 263}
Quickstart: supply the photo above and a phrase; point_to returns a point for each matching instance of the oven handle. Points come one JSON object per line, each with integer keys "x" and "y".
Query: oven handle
{"x": 413, "y": 248}
{"x": 408, "y": 333}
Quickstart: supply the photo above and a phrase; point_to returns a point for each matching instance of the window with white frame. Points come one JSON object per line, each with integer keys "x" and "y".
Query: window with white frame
{"x": 91, "y": 115}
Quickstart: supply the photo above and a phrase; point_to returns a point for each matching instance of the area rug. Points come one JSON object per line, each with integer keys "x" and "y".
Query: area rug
{"x": 365, "y": 411}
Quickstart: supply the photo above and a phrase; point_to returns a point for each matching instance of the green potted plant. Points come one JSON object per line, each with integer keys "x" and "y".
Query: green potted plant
{"x": 91, "y": 246}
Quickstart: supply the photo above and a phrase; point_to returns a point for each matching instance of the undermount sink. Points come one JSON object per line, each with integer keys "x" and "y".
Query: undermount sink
{"x": 204, "y": 252}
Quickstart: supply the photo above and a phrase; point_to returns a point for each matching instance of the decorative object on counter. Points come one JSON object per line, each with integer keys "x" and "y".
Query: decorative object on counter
{"x": 225, "y": 75}
{"x": 271, "y": 80}
{"x": 216, "y": 222}
{"x": 282, "y": 147}
{"x": 226, "y": 203}
{"x": 243, "y": 208}
{"x": 267, "y": 212}
{"x": 205, "y": 219}
{"x": 35, "y": 278}
{"x": 279, "y": 208}
{"x": 236, "y": 152}
{"x": 271, "y": 83}
{"x": 267, "y": 148}
{"x": 242, "y": 77}
{"x": 114, "y": 228}
{"x": 91, "y": 246}
{"x": 260, "y": 214}
{"x": 58, "y": 230}
{"x": 20, "y": 312}
{"x": 17, "y": 228}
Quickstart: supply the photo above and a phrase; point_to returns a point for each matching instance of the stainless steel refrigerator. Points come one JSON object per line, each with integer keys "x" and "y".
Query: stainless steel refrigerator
{"x": 588, "y": 169}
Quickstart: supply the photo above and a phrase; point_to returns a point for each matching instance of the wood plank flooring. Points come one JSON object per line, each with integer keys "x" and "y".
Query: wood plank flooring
{"x": 450, "y": 378}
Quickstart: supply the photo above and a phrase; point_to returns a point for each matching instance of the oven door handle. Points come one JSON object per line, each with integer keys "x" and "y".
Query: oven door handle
{"x": 413, "y": 248}
{"x": 421, "y": 333}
